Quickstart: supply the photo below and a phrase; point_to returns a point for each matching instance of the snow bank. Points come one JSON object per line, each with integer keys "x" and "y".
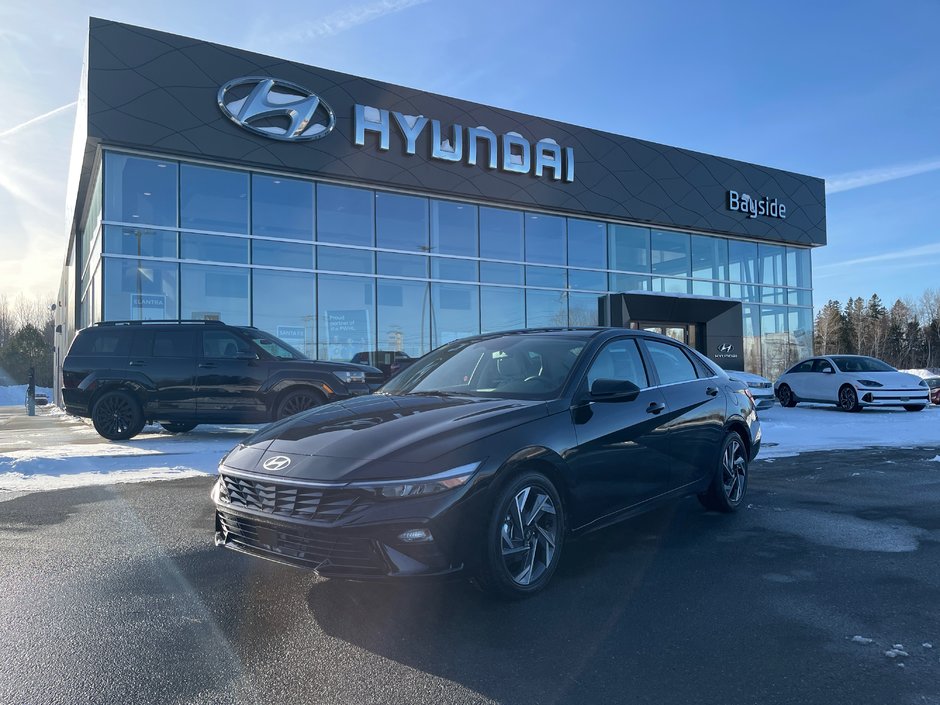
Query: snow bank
{"x": 16, "y": 395}
{"x": 922, "y": 373}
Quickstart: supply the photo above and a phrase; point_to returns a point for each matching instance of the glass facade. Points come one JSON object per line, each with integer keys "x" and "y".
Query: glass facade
{"x": 337, "y": 270}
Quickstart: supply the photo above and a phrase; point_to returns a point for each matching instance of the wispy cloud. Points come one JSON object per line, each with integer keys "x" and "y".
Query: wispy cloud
{"x": 39, "y": 118}
{"x": 870, "y": 177}
{"x": 342, "y": 20}
{"x": 886, "y": 260}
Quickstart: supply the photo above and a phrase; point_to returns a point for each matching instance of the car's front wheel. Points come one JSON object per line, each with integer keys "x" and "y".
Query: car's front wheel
{"x": 524, "y": 536}
{"x": 117, "y": 416}
{"x": 729, "y": 482}
{"x": 296, "y": 401}
{"x": 914, "y": 407}
{"x": 785, "y": 395}
{"x": 848, "y": 399}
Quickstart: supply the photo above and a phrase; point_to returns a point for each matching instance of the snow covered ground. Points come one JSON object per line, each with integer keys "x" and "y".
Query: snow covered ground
{"x": 15, "y": 395}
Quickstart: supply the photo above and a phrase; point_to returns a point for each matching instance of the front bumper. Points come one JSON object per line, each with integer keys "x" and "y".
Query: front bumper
{"x": 892, "y": 397}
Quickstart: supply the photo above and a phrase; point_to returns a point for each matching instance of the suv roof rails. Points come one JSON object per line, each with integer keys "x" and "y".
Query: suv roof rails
{"x": 159, "y": 322}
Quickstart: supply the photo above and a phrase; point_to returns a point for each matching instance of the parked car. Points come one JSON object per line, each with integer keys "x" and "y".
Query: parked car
{"x": 123, "y": 374}
{"x": 391, "y": 362}
{"x": 760, "y": 388}
{"x": 933, "y": 383}
{"x": 487, "y": 454}
{"x": 851, "y": 382}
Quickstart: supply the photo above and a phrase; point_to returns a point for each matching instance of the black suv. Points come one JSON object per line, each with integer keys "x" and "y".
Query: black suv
{"x": 123, "y": 374}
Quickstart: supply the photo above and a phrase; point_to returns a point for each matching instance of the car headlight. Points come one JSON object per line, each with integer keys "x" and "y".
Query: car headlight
{"x": 421, "y": 486}
{"x": 869, "y": 383}
{"x": 347, "y": 376}
{"x": 923, "y": 383}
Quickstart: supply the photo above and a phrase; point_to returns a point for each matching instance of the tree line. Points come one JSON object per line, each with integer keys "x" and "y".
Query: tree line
{"x": 906, "y": 335}
{"x": 27, "y": 331}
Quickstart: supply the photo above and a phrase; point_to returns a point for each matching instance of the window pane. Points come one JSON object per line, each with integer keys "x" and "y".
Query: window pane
{"x": 223, "y": 344}
{"x": 744, "y": 292}
{"x": 742, "y": 261}
{"x": 545, "y": 276}
{"x": 340, "y": 259}
{"x": 629, "y": 282}
{"x": 619, "y": 359}
{"x": 800, "y": 297}
{"x": 139, "y": 241}
{"x": 772, "y": 264}
{"x": 799, "y": 266}
{"x": 456, "y": 312}
{"x": 582, "y": 309}
{"x": 213, "y": 248}
{"x": 501, "y": 309}
{"x": 401, "y": 222}
{"x": 629, "y": 248}
{"x": 770, "y": 295}
{"x": 587, "y": 243}
{"x": 669, "y": 285}
{"x": 752, "y": 339}
{"x": 501, "y": 234}
{"x": 346, "y": 318}
{"x": 397, "y": 265}
{"x": 458, "y": 269}
{"x": 345, "y": 215}
{"x": 214, "y": 293}
{"x": 582, "y": 279}
{"x": 454, "y": 228}
{"x": 545, "y": 309}
{"x": 774, "y": 343}
{"x": 404, "y": 313}
{"x": 140, "y": 289}
{"x": 670, "y": 362}
{"x": 709, "y": 288}
{"x": 498, "y": 273}
{"x": 709, "y": 257}
{"x": 670, "y": 253}
{"x": 281, "y": 207}
{"x": 284, "y": 304}
{"x": 213, "y": 199}
{"x": 174, "y": 343}
{"x": 140, "y": 190}
{"x": 282, "y": 254}
{"x": 801, "y": 333}
{"x": 544, "y": 239}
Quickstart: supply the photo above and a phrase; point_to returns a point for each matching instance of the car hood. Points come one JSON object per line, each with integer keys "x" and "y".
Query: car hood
{"x": 891, "y": 380}
{"x": 379, "y": 436}
{"x": 748, "y": 377}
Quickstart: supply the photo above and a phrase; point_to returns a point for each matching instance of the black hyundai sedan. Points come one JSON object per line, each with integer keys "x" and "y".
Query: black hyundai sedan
{"x": 485, "y": 455}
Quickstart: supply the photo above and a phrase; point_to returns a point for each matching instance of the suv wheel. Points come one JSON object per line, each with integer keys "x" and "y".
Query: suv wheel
{"x": 178, "y": 427}
{"x": 296, "y": 401}
{"x": 117, "y": 416}
{"x": 524, "y": 535}
{"x": 729, "y": 482}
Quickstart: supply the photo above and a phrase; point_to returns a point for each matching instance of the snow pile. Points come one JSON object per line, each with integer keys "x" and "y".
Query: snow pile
{"x": 16, "y": 395}
{"x": 808, "y": 427}
{"x": 922, "y": 373}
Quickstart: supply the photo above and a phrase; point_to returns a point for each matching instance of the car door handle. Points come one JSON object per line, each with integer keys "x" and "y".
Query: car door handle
{"x": 712, "y": 391}
{"x": 137, "y": 363}
{"x": 655, "y": 407}
{"x": 206, "y": 365}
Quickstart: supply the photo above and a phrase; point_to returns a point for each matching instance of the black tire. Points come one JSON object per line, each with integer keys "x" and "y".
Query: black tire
{"x": 848, "y": 399}
{"x": 914, "y": 407}
{"x": 729, "y": 481}
{"x": 522, "y": 548}
{"x": 117, "y": 416}
{"x": 785, "y": 396}
{"x": 297, "y": 401}
{"x": 178, "y": 427}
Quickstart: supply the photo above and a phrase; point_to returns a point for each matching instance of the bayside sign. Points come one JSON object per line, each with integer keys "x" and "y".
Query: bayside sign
{"x": 753, "y": 207}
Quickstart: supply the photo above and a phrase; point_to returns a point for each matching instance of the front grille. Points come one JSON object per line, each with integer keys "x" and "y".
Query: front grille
{"x": 292, "y": 501}
{"x": 315, "y": 548}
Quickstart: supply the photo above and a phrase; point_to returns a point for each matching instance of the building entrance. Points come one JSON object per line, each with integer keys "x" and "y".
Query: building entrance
{"x": 682, "y": 332}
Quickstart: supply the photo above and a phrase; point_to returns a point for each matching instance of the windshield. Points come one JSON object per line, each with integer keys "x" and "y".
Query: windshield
{"x": 273, "y": 345}
{"x": 861, "y": 364}
{"x": 507, "y": 367}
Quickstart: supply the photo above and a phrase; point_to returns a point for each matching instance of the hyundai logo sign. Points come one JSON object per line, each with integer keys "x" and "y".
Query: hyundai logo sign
{"x": 276, "y": 464}
{"x": 726, "y": 348}
{"x": 278, "y": 109}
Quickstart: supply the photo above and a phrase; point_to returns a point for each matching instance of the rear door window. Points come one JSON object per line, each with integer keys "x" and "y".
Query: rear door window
{"x": 671, "y": 362}
{"x": 173, "y": 343}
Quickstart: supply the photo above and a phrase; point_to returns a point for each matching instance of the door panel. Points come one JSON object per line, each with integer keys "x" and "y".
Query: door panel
{"x": 228, "y": 387}
{"x": 168, "y": 359}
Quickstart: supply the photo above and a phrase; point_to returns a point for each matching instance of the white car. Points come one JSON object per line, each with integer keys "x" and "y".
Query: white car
{"x": 851, "y": 382}
{"x": 760, "y": 388}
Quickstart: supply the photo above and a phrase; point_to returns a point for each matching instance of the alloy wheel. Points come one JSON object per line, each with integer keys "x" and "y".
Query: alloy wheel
{"x": 114, "y": 415}
{"x": 784, "y": 395}
{"x": 734, "y": 471}
{"x": 297, "y": 402}
{"x": 848, "y": 399}
{"x": 528, "y": 535}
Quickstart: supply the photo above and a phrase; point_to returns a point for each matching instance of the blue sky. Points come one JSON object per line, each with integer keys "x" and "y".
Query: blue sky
{"x": 846, "y": 91}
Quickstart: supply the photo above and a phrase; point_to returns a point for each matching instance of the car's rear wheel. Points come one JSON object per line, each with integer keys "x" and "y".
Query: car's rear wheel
{"x": 729, "y": 482}
{"x": 914, "y": 407}
{"x": 848, "y": 399}
{"x": 178, "y": 427}
{"x": 786, "y": 397}
{"x": 296, "y": 401}
{"x": 524, "y": 535}
{"x": 117, "y": 416}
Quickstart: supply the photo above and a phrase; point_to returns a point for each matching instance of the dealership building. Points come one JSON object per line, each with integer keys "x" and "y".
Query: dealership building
{"x": 347, "y": 215}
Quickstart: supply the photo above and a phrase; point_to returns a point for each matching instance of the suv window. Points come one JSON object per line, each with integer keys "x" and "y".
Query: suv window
{"x": 102, "y": 341}
{"x": 620, "y": 360}
{"x": 173, "y": 343}
{"x": 223, "y": 344}
{"x": 671, "y": 362}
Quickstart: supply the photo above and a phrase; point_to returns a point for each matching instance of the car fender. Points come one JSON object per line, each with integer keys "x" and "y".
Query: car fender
{"x": 326, "y": 384}
{"x": 100, "y": 381}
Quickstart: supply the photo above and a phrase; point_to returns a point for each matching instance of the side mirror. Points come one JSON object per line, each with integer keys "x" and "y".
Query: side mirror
{"x": 828, "y": 371}
{"x": 614, "y": 390}
{"x": 245, "y": 355}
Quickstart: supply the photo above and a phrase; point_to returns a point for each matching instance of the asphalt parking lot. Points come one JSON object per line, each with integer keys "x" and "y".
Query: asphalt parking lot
{"x": 115, "y": 594}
